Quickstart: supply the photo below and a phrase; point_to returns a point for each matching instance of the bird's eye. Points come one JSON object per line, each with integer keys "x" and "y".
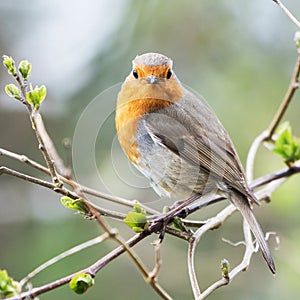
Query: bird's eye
{"x": 135, "y": 74}
{"x": 169, "y": 74}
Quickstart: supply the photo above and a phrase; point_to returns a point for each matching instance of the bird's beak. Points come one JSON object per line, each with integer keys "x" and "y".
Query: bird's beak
{"x": 152, "y": 79}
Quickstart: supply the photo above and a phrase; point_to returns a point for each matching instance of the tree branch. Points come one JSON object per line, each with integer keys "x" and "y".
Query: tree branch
{"x": 82, "y": 189}
{"x": 288, "y": 13}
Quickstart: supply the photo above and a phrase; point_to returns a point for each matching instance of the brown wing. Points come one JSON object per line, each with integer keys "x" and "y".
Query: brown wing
{"x": 192, "y": 131}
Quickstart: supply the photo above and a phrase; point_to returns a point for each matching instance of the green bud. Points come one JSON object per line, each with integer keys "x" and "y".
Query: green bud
{"x": 137, "y": 219}
{"x": 25, "y": 69}
{"x": 179, "y": 224}
{"x": 81, "y": 282}
{"x": 297, "y": 39}
{"x": 13, "y": 91}
{"x": 36, "y": 96}
{"x": 225, "y": 268}
{"x": 9, "y": 63}
{"x": 75, "y": 204}
{"x": 285, "y": 144}
{"x": 137, "y": 208}
{"x": 8, "y": 287}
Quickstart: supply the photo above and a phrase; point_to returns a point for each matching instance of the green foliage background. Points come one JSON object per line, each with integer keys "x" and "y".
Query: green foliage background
{"x": 238, "y": 55}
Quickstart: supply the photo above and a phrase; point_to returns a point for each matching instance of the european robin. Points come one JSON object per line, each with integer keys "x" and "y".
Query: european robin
{"x": 177, "y": 141}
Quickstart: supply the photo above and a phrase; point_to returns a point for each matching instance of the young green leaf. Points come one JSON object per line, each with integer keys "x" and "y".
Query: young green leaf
{"x": 137, "y": 219}
{"x": 285, "y": 144}
{"x": 13, "y": 91}
{"x": 75, "y": 204}
{"x": 9, "y": 63}
{"x": 25, "y": 69}
{"x": 81, "y": 283}
{"x": 179, "y": 224}
{"x": 8, "y": 287}
{"x": 36, "y": 96}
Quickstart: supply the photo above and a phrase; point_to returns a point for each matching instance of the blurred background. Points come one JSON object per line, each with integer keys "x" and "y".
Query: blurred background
{"x": 238, "y": 55}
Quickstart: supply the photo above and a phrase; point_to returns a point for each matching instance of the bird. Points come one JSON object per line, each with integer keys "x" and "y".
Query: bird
{"x": 175, "y": 139}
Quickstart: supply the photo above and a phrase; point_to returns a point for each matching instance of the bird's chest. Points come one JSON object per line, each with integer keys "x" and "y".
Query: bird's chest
{"x": 128, "y": 118}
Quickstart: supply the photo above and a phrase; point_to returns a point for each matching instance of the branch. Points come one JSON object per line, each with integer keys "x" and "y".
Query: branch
{"x": 293, "y": 86}
{"x": 284, "y": 173}
{"x": 239, "y": 268}
{"x": 212, "y": 223}
{"x": 81, "y": 188}
{"x": 267, "y": 135}
{"x": 288, "y": 13}
{"x": 60, "y": 190}
{"x": 24, "y": 159}
{"x": 63, "y": 255}
{"x": 92, "y": 270}
{"x": 152, "y": 276}
{"x": 252, "y": 154}
{"x": 46, "y": 184}
{"x": 41, "y": 135}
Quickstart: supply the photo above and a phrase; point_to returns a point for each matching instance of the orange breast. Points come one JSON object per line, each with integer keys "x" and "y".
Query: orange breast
{"x": 134, "y": 101}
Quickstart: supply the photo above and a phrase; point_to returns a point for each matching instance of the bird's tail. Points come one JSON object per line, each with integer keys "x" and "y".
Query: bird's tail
{"x": 242, "y": 204}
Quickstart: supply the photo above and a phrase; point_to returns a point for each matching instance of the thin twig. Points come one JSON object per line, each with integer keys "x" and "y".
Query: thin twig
{"x": 116, "y": 199}
{"x": 63, "y": 191}
{"x": 39, "y": 129}
{"x": 252, "y": 154}
{"x": 45, "y": 143}
{"x": 149, "y": 277}
{"x": 83, "y": 189}
{"x": 46, "y": 184}
{"x": 69, "y": 160}
{"x": 24, "y": 159}
{"x": 210, "y": 224}
{"x": 126, "y": 246}
{"x": 293, "y": 86}
{"x": 288, "y": 13}
{"x": 63, "y": 255}
{"x": 284, "y": 173}
{"x": 267, "y": 135}
{"x": 92, "y": 270}
{"x": 154, "y": 273}
{"x": 239, "y": 268}
{"x": 23, "y": 85}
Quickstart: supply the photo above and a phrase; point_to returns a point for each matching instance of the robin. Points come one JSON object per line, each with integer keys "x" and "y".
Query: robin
{"x": 177, "y": 141}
